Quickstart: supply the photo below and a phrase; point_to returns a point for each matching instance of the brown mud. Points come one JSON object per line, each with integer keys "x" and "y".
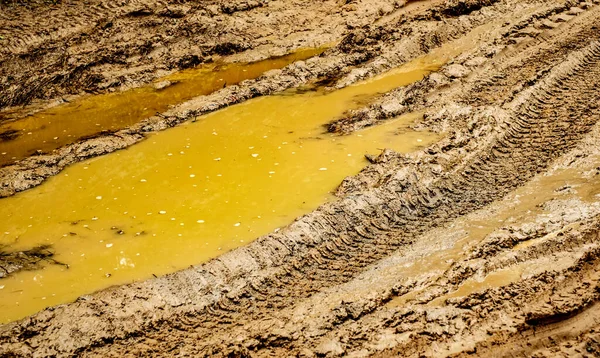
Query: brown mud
{"x": 485, "y": 243}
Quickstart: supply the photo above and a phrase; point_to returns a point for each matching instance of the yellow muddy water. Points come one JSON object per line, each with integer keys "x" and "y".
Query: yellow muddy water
{"x": 192, "y": 192}
{"x": 65, "y": 124}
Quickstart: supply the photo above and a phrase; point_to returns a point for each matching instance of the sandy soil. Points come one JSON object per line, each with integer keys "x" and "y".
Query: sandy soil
{"x": 485, "y": 243}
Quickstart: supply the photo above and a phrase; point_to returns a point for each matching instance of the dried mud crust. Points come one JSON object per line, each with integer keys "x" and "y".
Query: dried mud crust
{"x": 380, "y": 271}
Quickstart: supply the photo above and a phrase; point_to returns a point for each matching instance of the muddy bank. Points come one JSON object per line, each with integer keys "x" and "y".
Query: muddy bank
{"x": 472, "y": 246}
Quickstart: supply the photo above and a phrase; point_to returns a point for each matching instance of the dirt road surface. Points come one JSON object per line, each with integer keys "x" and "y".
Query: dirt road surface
{"x": 483, "y": 244}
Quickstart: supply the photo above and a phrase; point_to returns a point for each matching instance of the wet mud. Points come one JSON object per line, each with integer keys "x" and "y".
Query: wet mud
{"x": 29, "y": 260}
{"x": 484, "y": 243}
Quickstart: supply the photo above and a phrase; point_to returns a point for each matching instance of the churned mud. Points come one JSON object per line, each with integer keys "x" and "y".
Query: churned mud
{"x": 480, "y": 240}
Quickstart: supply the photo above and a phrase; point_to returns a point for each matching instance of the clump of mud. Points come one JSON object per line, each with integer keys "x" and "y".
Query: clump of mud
{"x": 32, "y": 259}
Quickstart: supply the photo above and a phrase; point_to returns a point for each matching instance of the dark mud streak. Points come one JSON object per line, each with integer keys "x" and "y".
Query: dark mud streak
{"x": 29, "y": 260}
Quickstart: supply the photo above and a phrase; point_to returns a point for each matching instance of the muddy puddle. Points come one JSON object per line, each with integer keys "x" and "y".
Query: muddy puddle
{"x": 50, "y": 129}
{"x": 190, "y": 193}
